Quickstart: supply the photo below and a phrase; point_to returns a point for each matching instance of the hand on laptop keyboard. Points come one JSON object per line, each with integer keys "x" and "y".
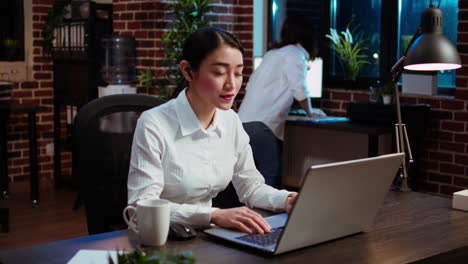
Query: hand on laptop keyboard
{"x": 241, "y": 218}
{"x": 316, "y": 112}
{"x": 290, "y": 201}
{"x": 265, "y": 239}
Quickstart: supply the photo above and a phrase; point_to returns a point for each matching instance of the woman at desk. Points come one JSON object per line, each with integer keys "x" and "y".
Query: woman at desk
{"x": 272, "y": 88}
{"x": 189, "y": 149}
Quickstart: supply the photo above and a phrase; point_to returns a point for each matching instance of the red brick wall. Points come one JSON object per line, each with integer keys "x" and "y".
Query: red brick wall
{"x": 37, "y": 92}
{"x": 445, "y": 157}
{"x": 145, "y": 20}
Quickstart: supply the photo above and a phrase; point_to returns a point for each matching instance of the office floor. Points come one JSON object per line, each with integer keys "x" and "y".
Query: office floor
{"x": 53, "y": 220}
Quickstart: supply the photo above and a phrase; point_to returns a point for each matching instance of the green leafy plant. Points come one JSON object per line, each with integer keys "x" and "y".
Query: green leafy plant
{"x": 405, "y": 41}
{"x": 10, "y": 46}
{"x": 53, "y": 19}
{"x": 189, "y": 15}
{"x": 349, "y": 52}
{"x": 148, "y": 80}
{"x": 387, "y": 89}
{"x": 138, "y": 256}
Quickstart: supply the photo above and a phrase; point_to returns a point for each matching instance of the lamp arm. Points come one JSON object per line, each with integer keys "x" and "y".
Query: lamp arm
{"x": 397, "y": 68}
{"x": 415, "y": 36}
{"x": 396, "y": 72}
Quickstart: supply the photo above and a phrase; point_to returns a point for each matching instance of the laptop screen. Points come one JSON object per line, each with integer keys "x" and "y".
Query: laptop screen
{"x": 314, "y": 78}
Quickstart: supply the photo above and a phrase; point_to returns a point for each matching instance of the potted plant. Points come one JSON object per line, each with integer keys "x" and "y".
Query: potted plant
{"x": 148, "y": 81}
{"x": 189, "y": 15}
{"x": 53, "y": 19}
{"x": 349, "y": 51}
{"x": 10, "y": 46}
{"x": 386, "y": 91}
{"x": 138, "y": 256}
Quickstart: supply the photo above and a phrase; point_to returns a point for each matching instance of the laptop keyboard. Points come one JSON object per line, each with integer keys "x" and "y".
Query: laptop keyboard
{"x": 263, "y": 239}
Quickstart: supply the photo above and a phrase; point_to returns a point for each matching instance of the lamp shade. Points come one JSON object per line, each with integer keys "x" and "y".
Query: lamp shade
{"x": 432, "y": 51}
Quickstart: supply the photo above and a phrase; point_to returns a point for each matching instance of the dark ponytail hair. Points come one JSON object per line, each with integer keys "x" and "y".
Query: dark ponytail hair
{"x": 296, "y": 29}
{"x": 201, "y": 43}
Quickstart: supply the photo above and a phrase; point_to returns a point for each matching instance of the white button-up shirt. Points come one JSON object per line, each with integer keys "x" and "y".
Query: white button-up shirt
{"x": 273, "y": 86}
{"x": 174, "y": 158}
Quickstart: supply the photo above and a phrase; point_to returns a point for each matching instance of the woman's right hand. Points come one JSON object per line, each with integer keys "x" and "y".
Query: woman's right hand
{"x": 241, "y": 218}
{"x": 316, "y": 112}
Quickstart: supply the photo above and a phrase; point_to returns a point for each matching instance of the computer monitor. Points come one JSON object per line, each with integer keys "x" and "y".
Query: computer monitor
{"x": 314, "y": 76}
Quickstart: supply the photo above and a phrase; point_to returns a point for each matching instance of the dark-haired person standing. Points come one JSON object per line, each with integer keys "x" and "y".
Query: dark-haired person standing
{"x": 189, "y": 149}
{"x": 272, "y": 88}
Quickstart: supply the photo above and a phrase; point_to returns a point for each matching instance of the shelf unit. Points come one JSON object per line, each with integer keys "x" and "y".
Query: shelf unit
{"x": 77, "y": 55}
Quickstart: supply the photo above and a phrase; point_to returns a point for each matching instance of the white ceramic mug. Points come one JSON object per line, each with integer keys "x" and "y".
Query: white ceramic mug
{"x": 149, "y": 220}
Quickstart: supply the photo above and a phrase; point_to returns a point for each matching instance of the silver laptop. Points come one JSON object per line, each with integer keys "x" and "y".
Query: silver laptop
{"x": 335, "y": 200}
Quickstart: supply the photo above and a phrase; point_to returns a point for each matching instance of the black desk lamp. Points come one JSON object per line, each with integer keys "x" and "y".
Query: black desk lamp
{"x": 429, "y": 50}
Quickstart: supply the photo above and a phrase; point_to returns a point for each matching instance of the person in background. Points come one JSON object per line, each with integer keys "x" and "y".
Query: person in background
{"x": 272, "y": 88}
{"x": 189, "y": 149}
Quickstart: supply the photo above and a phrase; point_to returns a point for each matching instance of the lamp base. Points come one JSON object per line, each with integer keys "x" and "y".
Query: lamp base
{"x": 401, "y": 184}
{"x": 404, "y": 186}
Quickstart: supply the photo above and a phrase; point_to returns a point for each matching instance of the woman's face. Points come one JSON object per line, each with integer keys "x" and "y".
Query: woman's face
{"x": 219, "y": 77}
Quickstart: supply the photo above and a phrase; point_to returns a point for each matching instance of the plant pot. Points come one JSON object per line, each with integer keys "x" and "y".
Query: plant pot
{"x": 350, "y": 71}
{"x": 351, "y": 84}
{"x": 84, "y": 10}
{"x": 387, "y": 99}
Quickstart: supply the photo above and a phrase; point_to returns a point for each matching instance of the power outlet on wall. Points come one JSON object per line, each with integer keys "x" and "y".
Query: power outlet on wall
{"x": 50, "y": 149}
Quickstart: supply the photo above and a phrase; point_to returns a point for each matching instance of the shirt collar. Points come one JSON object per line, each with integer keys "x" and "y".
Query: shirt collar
{"x": 188, "y": 121}
{"x": 303, "y": 51}
{"x": 216, "y": 125}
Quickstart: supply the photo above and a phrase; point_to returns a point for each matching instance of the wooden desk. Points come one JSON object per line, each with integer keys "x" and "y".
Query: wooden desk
{"x": 410, "y": 227}
{"x": 7, "y": 108}
{"x": 307, "y": 144}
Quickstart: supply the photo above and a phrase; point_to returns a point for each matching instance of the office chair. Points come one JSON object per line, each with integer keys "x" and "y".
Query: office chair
{"x": 102, "y": 139}
{"x": 266, "y": 151}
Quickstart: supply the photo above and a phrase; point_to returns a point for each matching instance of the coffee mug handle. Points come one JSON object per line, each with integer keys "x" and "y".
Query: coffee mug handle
{"x": 130, "y": 222}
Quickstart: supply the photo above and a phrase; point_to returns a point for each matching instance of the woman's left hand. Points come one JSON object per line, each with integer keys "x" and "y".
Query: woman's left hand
{"x": 290, "y": 201}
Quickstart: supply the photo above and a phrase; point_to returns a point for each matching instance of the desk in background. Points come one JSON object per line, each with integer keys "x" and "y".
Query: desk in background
{"x": 7, "y": 108}
{"x": 307, "y": 144}
{"x": 410, "y": 227}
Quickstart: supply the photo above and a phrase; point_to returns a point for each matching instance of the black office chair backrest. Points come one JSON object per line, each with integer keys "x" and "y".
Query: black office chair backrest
{"x": 267, "y": 158}
{"x": 102, "y": 140}
{"x": 266, "y": 151}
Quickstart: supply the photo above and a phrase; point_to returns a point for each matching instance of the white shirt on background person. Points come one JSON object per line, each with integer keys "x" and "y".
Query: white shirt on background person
{"x": 273, "y": 86}
{"x": 174, "y": 158}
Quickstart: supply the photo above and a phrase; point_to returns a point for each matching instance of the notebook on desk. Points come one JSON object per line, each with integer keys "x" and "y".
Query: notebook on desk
{"x": 335, "y": 200}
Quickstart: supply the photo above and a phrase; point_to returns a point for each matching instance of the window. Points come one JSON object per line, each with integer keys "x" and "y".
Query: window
{"x": 410, "y": 15}
{"x": 280, "y": 9}
{"x": 381, "y": 34}
{"x": 11, "y": 31}
{"x": 361, "y": 17}
{"x": 16, "y": 57}
{"x": 386, "y": 25}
